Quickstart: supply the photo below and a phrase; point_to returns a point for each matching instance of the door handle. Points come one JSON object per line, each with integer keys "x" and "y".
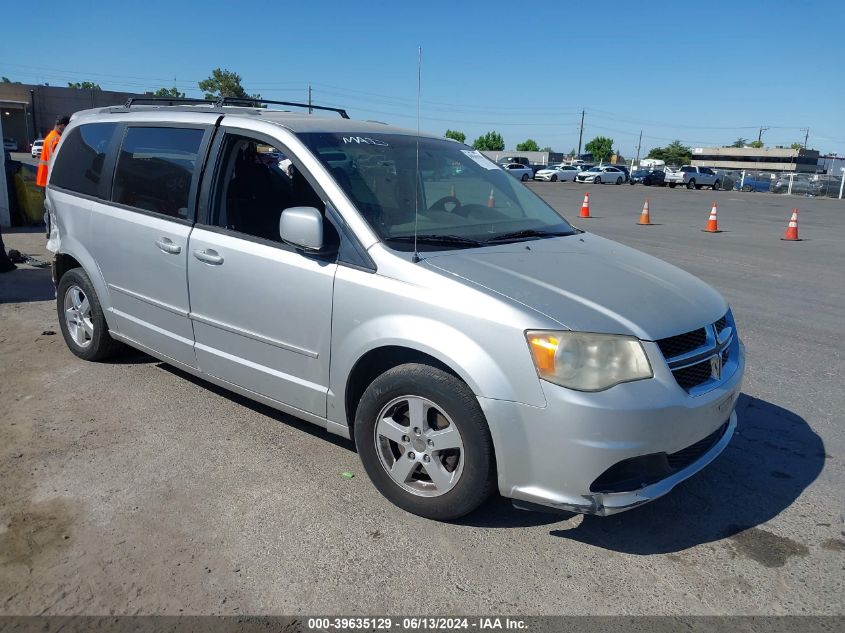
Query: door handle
{"x": 209, "y": 256}
{"x": 167, "y": 245}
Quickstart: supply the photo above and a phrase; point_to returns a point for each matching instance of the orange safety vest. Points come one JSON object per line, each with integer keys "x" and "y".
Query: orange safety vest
{"x": 50, "y": 143}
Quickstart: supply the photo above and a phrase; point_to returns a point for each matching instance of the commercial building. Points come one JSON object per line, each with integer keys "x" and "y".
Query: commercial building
{"x": 29, "y": 111}
{"x": 776, "y": 159}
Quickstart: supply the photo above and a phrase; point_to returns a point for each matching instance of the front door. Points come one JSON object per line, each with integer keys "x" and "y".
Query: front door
{"x": 261, "y": 310}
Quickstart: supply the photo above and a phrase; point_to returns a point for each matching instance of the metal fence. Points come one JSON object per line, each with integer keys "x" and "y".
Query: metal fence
{"x": 810, "y": 185}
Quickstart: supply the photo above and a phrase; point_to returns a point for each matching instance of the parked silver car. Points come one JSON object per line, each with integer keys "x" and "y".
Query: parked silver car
{"x": 457, "y": 327}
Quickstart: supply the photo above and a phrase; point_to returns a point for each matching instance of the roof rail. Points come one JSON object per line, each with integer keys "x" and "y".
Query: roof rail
{"x": 165, "y": 100}
{"x": 221, "y": 101}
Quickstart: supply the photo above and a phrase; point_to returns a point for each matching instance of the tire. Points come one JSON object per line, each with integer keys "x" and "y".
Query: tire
{"x": 619, "y": 180}
{"x": 553, "y": 178}
{"x": 455, "y": 406}
{"x": 747, "y": 188}
{"x": 524, "y": 177}
{"x": 672, "y": 185}
{"x": 717, "y": 185}
{"x": 691, "y": 185}
{"x": 597, "y": 181}
{"x": 81, "y": 318}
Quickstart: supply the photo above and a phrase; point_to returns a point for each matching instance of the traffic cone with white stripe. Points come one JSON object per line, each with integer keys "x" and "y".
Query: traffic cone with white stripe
{"x": 585, "y": 206}
{"x": 645, "y": 218}
{"x": 491, "y": 201}
{"x": 712, "y": 222}
{"x": 791, "y": 234}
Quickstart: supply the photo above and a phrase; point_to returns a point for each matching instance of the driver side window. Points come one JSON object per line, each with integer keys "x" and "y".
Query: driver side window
{"x": 254, "y": 183}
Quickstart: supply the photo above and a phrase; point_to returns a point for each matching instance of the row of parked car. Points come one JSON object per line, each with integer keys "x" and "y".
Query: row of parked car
{"x": 613, "y": 174}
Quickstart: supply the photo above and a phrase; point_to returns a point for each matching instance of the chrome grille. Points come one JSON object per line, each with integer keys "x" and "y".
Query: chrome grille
{"x": 690, "y": 355}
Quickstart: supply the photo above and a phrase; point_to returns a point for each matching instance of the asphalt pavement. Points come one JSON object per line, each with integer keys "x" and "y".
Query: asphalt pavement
{"x": 132, "y": 488}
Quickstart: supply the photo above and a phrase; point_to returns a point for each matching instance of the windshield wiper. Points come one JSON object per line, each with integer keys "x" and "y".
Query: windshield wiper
{"x": 446, "y": 240}
{"x": 516, "y": 235}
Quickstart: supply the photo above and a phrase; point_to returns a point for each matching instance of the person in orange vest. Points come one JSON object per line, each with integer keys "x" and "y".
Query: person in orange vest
{"x": 49, "y": 147}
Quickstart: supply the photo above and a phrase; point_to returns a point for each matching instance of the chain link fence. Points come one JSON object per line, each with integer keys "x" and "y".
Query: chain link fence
{"x": 786, "y": 183}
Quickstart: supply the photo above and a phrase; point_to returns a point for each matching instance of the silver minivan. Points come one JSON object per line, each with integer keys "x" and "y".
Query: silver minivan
{"x": 397, "y": 289}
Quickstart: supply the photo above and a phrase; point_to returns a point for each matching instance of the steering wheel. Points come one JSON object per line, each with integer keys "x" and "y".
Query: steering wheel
{"x": 440, "y": 205}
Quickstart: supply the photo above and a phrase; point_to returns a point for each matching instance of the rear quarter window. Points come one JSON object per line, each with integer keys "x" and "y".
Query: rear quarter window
{"x": 79, "y": 164}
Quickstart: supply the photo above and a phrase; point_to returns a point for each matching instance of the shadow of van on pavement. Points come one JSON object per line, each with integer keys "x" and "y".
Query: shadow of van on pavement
{"x": 27, "y": 284}
{"x": 772, "y": 458}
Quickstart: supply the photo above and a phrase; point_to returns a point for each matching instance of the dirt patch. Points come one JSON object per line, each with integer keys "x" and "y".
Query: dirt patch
{"x": 834, "y": 545}
{"x": 38, "y": 530}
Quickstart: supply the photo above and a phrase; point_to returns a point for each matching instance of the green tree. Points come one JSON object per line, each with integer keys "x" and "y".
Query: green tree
{"x": 5, "y": 80}
{"x": 756, "y": 144}
{"x": 169, "y": 92}
{"x": 740, "y": 142}
{"x": 224, "y": 83}
{"x": 547, "y": 149}
{"x": 600, "y": 147}
{"x": 528, "y": 145}
{"x": 84, "y": 85}
{"x": 675, "y": 153}
{"x": 491, "y": 142}
{"x": 797, "y": 146}
{"x": 458, "y": 136}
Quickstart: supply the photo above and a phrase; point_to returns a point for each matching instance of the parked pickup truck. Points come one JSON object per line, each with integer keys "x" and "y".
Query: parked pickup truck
{"x": 694, "y": 177}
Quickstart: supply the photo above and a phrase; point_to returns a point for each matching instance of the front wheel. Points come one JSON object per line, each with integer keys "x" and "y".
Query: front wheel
{"x": 691, "y": 185}
{"x": 554, "y": 178}
{"x": 524, "y": 177}
{"x": 424, "y": 442}
{"x": 672, "y": 185}
{"x": 597, "y": 180}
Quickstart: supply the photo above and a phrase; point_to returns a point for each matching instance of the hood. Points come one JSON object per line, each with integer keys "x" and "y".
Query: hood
{"x": 588, "y": 283}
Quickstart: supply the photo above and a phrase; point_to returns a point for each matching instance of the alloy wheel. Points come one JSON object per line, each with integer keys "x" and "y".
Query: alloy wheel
{"x": 78, "y": 316}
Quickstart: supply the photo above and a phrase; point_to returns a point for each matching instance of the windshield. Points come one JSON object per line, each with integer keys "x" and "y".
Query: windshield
{"x": 464, "y": 200}
{"x": 596, "y": 169}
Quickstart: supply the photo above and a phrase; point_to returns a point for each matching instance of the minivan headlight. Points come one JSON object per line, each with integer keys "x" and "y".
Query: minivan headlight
{"x": 588, "y": 362}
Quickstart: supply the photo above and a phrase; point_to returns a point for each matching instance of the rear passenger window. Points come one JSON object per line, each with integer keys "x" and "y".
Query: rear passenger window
{"x": 79, "y": 165}
{"x": 155, "y": 168}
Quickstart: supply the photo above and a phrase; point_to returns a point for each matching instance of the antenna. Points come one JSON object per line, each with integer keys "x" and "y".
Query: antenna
{"x": 416, "y": 257}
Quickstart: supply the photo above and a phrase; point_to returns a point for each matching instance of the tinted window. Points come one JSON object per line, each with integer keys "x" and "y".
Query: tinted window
{"x": 79, "y": 164}
{"x": 155, "y": 167}
{"x": 255, "y": 182}
{"x": 688, "y": 170}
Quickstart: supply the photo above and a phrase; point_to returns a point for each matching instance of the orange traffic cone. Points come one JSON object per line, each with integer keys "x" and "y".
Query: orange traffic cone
{"x": 712, "y": 223}
{"x": 645, "y": 218}
{"x": 491, "y": 201}
{"x": 791, "y": 234}
{"x": 585, "y": 206}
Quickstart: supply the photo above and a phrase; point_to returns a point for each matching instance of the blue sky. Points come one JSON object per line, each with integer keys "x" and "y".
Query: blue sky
{"x": 703, "y": 72}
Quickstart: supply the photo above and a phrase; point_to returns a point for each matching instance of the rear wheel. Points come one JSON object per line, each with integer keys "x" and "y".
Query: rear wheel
{"x": 81, "y": 318}
{"x": 524, "y": 177}
{"x": 424, "y": 442}
{"x": 747, "y": 188}
{"x": 691, "y": 185}
{"x": 672, "y": 185}
{"x": 619, "y": 180}
{"x": 717, "y": 185}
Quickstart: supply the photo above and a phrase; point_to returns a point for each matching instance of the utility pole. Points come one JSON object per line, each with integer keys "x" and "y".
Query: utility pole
{"x": 310, "y": 110}
{"x": 639, "y": 144}
{"x": 581, "y": 135}
{"x": 760, "y": 134}
{"x": 806, "y": 135}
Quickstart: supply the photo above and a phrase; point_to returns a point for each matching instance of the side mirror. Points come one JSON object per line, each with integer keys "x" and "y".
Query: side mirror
{"x": 302, "y": 227}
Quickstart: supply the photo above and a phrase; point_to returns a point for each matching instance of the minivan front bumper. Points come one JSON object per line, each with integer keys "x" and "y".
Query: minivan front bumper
{"x": 559, "y": 455}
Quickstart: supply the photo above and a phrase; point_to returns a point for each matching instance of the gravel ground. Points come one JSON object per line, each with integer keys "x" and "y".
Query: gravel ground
{"x": 132, "y": 488}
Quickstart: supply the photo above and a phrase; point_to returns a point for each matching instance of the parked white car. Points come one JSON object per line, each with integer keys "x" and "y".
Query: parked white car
{"x": 554, "y": 173}
{"x": 521, "y": 172}
{"x": 10, "y": 144}
{"x": 599, "y": 175}
{"x": 37, "y": 146}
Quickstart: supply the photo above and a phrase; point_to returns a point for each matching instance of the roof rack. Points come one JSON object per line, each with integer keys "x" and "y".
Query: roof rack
{"x": 223, "y": 101}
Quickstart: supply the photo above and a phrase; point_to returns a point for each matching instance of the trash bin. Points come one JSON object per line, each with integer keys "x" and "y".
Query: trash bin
{"x": 30, "y": 196}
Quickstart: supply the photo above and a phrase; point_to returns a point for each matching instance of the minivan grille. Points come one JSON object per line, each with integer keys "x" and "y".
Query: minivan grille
{"x": 682, "y": 343}
{"x": 674, "y": 348}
